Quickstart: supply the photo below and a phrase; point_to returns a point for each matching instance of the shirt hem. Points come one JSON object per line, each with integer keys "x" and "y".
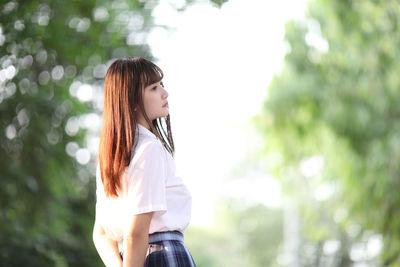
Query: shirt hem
{"x": 150, "y": 209}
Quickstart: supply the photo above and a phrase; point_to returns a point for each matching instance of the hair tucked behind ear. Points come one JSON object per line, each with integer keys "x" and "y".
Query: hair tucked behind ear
{"x": 124, "y": 81}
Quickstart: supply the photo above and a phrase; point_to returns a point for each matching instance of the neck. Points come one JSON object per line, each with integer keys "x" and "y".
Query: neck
{"x": 144, "y": 123}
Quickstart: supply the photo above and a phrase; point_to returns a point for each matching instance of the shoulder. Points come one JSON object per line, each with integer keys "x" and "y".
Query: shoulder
{"x": 148, "y": 148}
{"x": 149, "y": 156}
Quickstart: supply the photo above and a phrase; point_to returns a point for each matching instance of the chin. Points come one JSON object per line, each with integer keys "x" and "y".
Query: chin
{"x": 163, "y": 115}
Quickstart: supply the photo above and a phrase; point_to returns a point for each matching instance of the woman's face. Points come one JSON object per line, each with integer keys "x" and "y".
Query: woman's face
{"x": 155, "y": 101}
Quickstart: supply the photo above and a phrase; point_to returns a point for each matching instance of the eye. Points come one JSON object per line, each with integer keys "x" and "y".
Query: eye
{"x": 154, "y": 88}
{"x": 162, "y": 84}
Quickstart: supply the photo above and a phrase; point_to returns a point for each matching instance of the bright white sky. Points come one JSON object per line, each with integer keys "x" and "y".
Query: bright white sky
{"x": 217, "y": 65}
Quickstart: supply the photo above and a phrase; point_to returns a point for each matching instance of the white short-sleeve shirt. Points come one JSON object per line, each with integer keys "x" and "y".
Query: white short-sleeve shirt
{"x": 149, "y": 184}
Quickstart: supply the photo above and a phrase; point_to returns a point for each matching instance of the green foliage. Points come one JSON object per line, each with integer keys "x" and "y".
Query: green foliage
{"x": 217, "y": 3}
{"x": 337, "y": 96}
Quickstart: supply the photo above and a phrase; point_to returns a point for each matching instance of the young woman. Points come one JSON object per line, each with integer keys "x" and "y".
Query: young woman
{"x": 143, "y": 207}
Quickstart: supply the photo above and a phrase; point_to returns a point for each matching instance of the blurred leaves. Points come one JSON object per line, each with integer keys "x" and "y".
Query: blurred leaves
{"x": 337, "y": 97}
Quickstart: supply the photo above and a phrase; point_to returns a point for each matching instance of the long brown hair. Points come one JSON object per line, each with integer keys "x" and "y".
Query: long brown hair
{"x": 125, "y": 79}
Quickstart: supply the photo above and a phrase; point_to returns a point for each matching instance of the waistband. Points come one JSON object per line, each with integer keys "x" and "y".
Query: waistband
{"x": 159, "y": 236}
{"x": 169, "y": 235}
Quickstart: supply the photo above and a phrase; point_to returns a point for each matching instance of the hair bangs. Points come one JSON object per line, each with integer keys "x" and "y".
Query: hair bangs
{"x": 151, "y": 74}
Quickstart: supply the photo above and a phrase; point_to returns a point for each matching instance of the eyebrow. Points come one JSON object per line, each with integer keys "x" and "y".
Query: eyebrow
{"x": 155, "y": 85}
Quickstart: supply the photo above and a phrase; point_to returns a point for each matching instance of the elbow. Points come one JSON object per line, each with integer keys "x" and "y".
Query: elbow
{"x": 95, "y": 238}
{"x": 97, "y": 232}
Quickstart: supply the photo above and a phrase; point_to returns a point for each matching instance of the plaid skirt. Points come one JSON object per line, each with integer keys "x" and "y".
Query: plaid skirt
{"x": 167, "y": 249}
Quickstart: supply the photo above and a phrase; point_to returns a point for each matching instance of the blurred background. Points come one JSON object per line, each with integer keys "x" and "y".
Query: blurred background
{"x": 285, "y": 116}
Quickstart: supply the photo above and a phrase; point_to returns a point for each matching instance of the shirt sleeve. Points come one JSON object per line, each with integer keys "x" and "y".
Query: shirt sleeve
{"x": 147, "y": 180}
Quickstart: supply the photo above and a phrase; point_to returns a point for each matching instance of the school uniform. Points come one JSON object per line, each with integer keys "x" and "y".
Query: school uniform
{"x": 149, "y": 184}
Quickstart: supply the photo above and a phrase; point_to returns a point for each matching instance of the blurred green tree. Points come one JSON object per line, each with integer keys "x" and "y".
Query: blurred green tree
{"x": 337, "y": 97}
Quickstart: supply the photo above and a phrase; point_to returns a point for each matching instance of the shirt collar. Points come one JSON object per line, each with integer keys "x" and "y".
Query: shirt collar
{"x": 144, "y": 131}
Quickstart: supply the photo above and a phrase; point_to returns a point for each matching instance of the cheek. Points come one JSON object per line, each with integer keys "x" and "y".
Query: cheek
{"x": 149, "y": 105}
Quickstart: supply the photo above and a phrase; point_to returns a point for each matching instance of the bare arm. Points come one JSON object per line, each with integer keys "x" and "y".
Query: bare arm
{"x": 107, "y": 248}
{"x": 136, "y": 240}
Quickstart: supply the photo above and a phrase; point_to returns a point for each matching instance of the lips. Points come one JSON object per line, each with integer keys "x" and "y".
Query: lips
{"x": 165, "y": 105}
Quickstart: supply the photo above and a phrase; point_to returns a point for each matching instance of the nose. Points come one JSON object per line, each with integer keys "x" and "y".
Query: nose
{"x": 165, "y": 93}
